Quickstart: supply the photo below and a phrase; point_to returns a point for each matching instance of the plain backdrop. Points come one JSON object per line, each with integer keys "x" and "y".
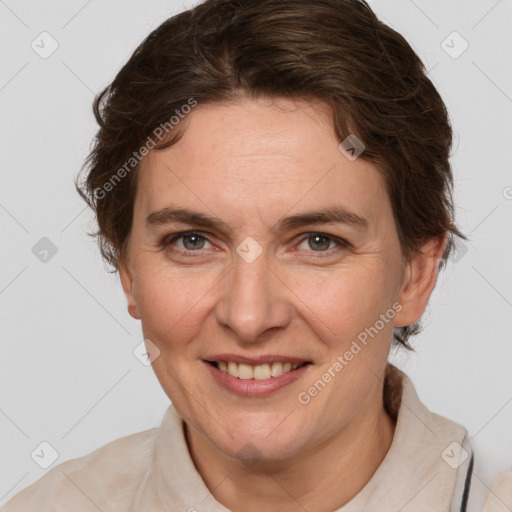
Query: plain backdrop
{"x": 68, "y": 373}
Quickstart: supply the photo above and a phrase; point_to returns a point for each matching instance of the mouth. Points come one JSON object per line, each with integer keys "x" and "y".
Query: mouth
{"x": 258, "y": 377}
{"x": 261, "y": 371}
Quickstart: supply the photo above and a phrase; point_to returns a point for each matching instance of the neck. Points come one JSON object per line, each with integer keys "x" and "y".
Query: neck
{"x": 325, "y": 477}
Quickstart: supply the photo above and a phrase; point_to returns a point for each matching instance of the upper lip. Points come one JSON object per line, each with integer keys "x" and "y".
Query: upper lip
{"x": 255, "y": 360}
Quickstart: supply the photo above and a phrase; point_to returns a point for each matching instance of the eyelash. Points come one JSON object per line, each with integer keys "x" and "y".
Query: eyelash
{"x": 169, "y": 239}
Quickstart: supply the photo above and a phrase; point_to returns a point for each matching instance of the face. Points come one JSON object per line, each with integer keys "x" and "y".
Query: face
{"x": 268, "y": 281}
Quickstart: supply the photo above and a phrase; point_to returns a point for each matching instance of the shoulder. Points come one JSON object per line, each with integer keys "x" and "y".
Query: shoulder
{"x": 105, "y": 479}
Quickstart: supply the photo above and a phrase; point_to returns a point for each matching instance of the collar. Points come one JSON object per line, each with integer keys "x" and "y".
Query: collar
{"x": 418, "y": 473}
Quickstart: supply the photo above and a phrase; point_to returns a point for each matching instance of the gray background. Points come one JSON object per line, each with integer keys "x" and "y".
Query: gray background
{"x": 68, "y": 374}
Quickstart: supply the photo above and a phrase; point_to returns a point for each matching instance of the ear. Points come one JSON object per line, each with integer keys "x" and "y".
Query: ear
{"x": 126, "y": 276}
{"x": 420, "y": 278}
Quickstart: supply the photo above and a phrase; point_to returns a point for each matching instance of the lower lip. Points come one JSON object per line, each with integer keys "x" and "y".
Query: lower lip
{"x": 254, "y": 387}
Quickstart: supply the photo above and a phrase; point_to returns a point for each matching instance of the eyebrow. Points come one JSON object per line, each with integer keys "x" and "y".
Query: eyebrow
{"x": 335, "y": 214}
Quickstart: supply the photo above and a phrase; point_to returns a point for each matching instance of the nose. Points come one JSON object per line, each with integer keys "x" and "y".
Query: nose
{"x": 253, "y": 300}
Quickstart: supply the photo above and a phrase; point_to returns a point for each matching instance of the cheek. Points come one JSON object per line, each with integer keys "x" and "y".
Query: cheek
{"x": 172, "y": 305}
{"x": 344, "y": 303}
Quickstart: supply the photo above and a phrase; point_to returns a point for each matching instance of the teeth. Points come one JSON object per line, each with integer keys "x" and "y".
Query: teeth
{"x": 245, "y": 371}
{"x": 262, "y": 372}
{"x": 276, "y": 369}
{"x": 258, "y": 372}
{"x": 232, "y": 369}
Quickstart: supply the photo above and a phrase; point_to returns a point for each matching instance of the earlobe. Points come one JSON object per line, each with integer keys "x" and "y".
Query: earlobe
{"x": 126, "y": 278}
{"x": 420, "y": 277}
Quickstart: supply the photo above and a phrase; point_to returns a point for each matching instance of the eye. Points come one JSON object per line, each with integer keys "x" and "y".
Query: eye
{"x": 322, "y": 242}
{"x": 189, "y": 241}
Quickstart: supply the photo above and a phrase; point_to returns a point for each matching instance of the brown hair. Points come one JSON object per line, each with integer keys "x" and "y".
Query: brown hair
{"x": 336, "y": 51}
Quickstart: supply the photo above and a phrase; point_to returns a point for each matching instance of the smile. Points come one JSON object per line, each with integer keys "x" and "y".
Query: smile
{"x": 258, "y": 379}
{"x": 259, "y": 372}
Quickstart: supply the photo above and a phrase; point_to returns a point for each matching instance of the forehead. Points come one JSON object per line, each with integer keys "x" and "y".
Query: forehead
{"x": 258, "y": 133}
{"x": 259, "y": 158}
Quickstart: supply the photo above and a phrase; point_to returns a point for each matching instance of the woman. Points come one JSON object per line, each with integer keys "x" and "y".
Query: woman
{"x": 271, "y": 180}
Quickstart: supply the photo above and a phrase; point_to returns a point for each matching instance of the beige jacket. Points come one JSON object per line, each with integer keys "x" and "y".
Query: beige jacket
{"x": 427, "y": 469}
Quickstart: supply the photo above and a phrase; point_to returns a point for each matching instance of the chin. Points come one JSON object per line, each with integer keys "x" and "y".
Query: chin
{"x": 265, "y": 442}
{"x": 253, "y": 451}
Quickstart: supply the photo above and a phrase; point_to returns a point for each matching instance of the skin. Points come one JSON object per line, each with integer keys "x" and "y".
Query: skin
{"x": 250, "y": 162}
